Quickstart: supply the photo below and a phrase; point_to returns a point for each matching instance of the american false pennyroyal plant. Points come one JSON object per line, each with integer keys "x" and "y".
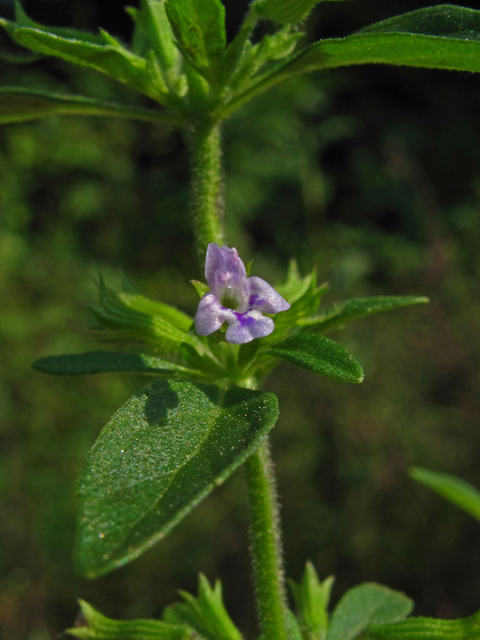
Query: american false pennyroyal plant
{"x": 203, "y": 415}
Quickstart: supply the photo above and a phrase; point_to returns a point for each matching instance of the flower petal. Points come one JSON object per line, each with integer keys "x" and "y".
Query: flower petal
{"x": 245, "y": 327}
{"x": 210, "y": 315}
{"x": 227, "y": 277}
{"x": 264, "y": 297}
{"x": 223, "y": 260}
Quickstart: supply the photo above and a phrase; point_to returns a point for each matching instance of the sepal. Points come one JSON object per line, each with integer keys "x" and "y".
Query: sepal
{"x": 206, "y": 613}
{"x": 311, "y": 599}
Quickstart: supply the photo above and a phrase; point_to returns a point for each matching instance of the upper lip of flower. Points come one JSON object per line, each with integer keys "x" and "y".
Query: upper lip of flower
{"x": 236, "y": 299}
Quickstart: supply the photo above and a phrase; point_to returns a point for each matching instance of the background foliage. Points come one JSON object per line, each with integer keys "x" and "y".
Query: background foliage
{"x": 373, "y": 175}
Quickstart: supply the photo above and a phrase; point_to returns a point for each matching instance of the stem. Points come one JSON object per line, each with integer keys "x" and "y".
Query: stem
{"x": 207, "y": 184}
{"x": 266, "y": 548}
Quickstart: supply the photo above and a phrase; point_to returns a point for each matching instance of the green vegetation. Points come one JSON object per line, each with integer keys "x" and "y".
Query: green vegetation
{"x": 380, "y": 204}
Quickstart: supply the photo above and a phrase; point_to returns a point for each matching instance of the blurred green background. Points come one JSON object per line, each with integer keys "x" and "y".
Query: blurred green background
{"x": 370, "y": 174}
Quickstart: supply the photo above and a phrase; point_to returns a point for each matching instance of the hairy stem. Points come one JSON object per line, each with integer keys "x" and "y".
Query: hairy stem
{"x": 207, "y": 184}
{"x": 266, "y": 549}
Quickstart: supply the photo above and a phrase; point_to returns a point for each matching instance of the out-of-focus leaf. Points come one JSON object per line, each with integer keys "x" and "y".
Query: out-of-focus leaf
{"x": 76, "y": 364}
{"x": 343, "y": 312}
{"x": 199, "y": 26}
{"x": 426, "y": 629}
{"x": 454, "y": 489}
{"x": 164, "y": 451}
{"x": 99, "y": 627}
{"x": 19, "y": 104}
{"x": 320, "y": 355}
{"x": 366, "y": 604}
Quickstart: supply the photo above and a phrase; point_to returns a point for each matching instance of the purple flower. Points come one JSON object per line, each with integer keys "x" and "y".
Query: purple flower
{"x": 235, "y": 299}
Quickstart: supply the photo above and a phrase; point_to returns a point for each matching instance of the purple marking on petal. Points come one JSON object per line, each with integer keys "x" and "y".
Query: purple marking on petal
{"x": 245, "y": 327}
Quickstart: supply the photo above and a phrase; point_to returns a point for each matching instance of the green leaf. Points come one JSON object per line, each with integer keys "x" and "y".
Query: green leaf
{"x": 366, "y": 604}
{"x": 77, "y": 364}
{"x": 454, "y": 489}
{"x": 286, "y": 11}
{"x": 19, "y": 104}
{"x": 442, "y": 37}
{"x": 320, "y": 355}
{"x": 311, "y": 599}
{"x": 448, "y": 38}
{"x": 111, "y": 59}
{"x": 99, "y": 627}
{"x": 427, "y": 629}
{"x": 343, "y": 312}
{"x": 199, "y": 26}
{"x": 445, "y": 20}
{"x": 164, "y": 451}
{"x": 206, "y": 613}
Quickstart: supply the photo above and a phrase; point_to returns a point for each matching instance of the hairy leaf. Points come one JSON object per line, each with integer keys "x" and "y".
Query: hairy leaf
{"x": 159, "y": 456}
{"x": 366, "y": 604}
{"x": 19, "y": 104}
{"x": 320, "y": 355}
{"x": 454, "y": 489}
{"x": 442, "y": 37}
